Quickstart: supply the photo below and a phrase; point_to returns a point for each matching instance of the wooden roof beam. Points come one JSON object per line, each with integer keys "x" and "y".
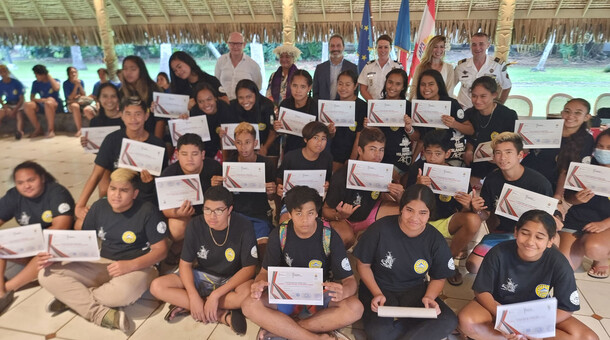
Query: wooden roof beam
{"x": 351, "y": 9}
{"x": 119, "y": 11}
{"x": 186, "y": 9}
{"x": 61, "y": 3}
{"x": 8, "y": 14}
{"x": 469, "y": 8}
{"x": 38, "y": 12}
{"x": 250, "y": 7}
{"x": 163, "y": 10}
{"x": 529, "y": 9}
{"x": 272, "y": 9}
{"x": 140, "y": 10}
{"x": 229, "y": 9}
{"x": 205, "y": 2}
{"x": 323, "y": 9}
{"x": 558, "y": 7}
{"x": 587, "y": 7}
{"x": 296, "y": 13}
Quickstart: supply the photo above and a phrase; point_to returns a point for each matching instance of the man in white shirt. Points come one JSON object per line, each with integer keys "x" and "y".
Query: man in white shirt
{"x": 325, "y": 76}
{"x": 480, "y": 65}
{"x": 235, "y": 66}
{"x": 372, "y": 76}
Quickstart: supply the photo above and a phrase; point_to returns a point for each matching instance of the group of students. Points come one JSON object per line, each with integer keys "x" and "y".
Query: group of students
{"x": 398, "y": 234}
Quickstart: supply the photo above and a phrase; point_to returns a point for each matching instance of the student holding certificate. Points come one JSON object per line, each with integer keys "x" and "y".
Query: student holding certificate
{"x": 488, "y": 118}
{"x": 186, "y": 76}
{"x": 589, "y": 216}
{"x": 109, "y": 111}
{"x": 134, "y": 115}
{"x": 222, "y": 244}
{"x": 453, "y": 216}
{"x": 191, "y": 160}
{"x": 507, "y": 152}
{"x": 311, "y": 157}
{"x": 132, "y": 234}
{"x": 394, "y": 256}
{"x": 352, "y": 211}
{"x": 305, "y": 242}
{"x": 36, "y": 198}
{"x": 524, "y": 269}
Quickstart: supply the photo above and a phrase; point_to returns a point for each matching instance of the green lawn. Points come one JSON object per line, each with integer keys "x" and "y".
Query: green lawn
{"x": 585, "y": 82}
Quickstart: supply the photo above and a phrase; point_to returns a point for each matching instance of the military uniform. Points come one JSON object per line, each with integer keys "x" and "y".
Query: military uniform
{"x": 466, "y": 73}
{"x": 373, "y": 76}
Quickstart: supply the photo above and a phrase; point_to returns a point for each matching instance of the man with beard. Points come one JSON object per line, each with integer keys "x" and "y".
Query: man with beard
{"x": 325, "y": 77}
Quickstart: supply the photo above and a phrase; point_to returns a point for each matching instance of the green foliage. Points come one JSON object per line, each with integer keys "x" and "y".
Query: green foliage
{"x": 310, "y": 50}
{"x": 607, "y": 68}
{"x": 37, "y": 52}
{"x": 566, "y": 51}
{"x": 124, "y": 50}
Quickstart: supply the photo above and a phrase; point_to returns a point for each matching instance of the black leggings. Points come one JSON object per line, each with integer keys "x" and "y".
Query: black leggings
{"x": 405, "y": 328}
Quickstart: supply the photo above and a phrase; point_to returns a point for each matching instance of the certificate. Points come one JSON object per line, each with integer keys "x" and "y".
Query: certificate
{"x": 21, "y": 241}
{"x": 71, "y": 245}
{"x": 514, "y": 201}
{"x": 295, "y": 286}
{"x": 140, "y": 156}
{"x": 292, "y": 122}
{"x": 169, "y": 105}
{"x": 368, "y": 176}
{"x": 95, "y": 136}
{"x": 197, "y": 125}
{"x": 540, "y": 134}
{"x": 386, "y": 112}
{"x": 228, "y": 140}
{"x": 588, "y": 176}
{"x": 174, "y": 190}
{"x": 535, "y": 319}
{"x": 428, "y": 112}
{"x": 447, "y": 180}
{"x": 244, "y": 176}
{"x": 406, "y": 312}
{"x": 483, "y": 152}
{"x": 342, "y": 113}
{"x": 311, "y": 178}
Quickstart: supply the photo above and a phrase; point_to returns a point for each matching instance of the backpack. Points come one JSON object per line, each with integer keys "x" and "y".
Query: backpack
{"x": 326, "y": 232}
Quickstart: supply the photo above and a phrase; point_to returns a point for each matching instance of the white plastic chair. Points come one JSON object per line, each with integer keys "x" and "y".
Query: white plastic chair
{"x": 556, "y": 103}
{"x": 603, "y": 101}
{"x": 521, "y": 104}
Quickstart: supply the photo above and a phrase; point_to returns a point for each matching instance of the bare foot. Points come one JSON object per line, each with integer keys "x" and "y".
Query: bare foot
{"x": 36, "y": 133}
{"x": 51, "y": 134}
{"x": 77, "y": 134}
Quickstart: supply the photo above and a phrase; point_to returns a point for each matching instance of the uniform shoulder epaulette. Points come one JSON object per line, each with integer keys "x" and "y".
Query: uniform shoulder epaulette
{"x": 499, "y": 61}
{"x": 462, "y": 61}
{"x": 370, "y": 62}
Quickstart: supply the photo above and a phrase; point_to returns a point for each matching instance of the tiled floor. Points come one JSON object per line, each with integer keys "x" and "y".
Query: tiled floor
{"x": 26, "y": 318}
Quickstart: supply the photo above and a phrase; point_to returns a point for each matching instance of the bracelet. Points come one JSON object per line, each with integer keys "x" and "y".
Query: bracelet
{"x": 412, "y": 131}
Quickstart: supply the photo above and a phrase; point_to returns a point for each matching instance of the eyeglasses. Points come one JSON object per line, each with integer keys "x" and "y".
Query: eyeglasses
{"x": 217, "y": 212}
{"x": 235, "y": 43}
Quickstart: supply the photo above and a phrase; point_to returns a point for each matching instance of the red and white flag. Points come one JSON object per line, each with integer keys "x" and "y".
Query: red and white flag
{"x": 424, "y": 33}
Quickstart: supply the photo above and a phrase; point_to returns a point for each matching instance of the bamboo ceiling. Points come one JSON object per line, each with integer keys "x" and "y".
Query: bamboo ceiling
{"x": 68, "y": 22}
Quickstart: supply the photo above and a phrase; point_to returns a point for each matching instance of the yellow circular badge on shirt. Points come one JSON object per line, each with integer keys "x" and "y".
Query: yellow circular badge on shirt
{"x": 394, "y": 128}
{"x": 15, "y": 92}
{"x": 315, "y": 264}
{"x": 420, "y": 266}
{"x": 218, "y": 130}
{"x": 128, "y": 237}
{"x": 230, "y": 254}
{"x": 262, "y": 126}
{"x": 353, "y": 127}
{"x": 494, "y": 134}
{"x": 47, "y": 216}
{"x": 542, "y": 291}
{"x": 374, "y": 194}
{"x": 444, "y": 198}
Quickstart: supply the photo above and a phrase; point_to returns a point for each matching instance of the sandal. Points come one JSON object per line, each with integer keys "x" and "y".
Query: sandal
{"x": 264, "y": 334}
{"x": 599, "y": 269}
{"x": 174, "y": 312}
{"x": 461, "y": 256}
{"x": 238, "y": 321}
{"x": 456, "y": 279}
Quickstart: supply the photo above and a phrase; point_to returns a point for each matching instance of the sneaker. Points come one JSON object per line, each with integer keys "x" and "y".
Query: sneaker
{"x": 117, "y": 319}
{"x": 338, "y": 335}
{"x": 56, "y": 307}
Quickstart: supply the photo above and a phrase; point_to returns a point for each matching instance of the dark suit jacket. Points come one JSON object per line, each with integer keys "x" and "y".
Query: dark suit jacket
{"x": 321, "y": 78}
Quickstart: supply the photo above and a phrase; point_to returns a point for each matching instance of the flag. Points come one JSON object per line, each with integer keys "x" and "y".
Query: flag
{"x": 365, "y": 41}
{"x": 403, "y": 33}
{"x": 425, "y": 32}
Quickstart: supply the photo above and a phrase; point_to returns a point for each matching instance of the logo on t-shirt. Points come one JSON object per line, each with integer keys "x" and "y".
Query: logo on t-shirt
{"x": 460, "y": 114}
{"x": 574, "y": 299}
{"x": 374, "y": 194}
{"x": 254, "y": 252}
{"x": 388, "y": 261}
{"x": 345, "y": 265}
{"x": 24, "y": 219}
{"x": 63, "y": 208}
{"x": 101, "y": 234}
{"x": 444, "y": 198}
{"x": 262, "y": 126}
{"x": 542, "y": 290}
{"x": 315, "y": 264}
{"x": 509, "y": 286}
{"x": 161, "y": 227}
{"x": 230, "y": 254}
{"x": 47, "y": 216}
{"x": 420, "y": 266}
{"x": 494, "y": 134}
{"x": 128, "y": 237}
{"x": 288, "y": 260}
{"x": 451, "y": 264}
{"x": 203, "y": 253}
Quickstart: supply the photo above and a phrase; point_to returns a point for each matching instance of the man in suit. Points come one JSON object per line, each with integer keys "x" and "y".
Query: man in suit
{"x": 325, "y": 77}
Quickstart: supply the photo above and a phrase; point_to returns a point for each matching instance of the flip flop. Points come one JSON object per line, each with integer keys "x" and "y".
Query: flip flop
{"x": 174, "y": 312}
{"x": 456, "y": 279}
{"x": 264, "y": 334}
{"x": 238, "y": 321}
{"x": 596, "y": 269}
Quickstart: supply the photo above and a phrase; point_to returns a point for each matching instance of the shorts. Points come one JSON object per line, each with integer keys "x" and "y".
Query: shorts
{"x": 362, "y": 225}
{"x": 262, "y": 228}
{"x": 60, "y": 107}
{"x": 442, "y": 225}
{"x": 297, "y": 310}
{"x": 207, "y": 283}
{"x": 489, "y": 241}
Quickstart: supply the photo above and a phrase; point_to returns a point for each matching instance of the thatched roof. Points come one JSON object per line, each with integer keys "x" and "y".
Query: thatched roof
{"x": 42, "y": 22}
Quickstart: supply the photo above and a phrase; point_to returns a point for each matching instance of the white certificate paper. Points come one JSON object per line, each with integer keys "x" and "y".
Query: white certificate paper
{"x": 342, "y": 113}
{"x": 95, "y": 136}
{"x": 483, "y": 152}
{"x": 140, "y": 156}
{"x": 447, "y": 180}
{"x": 295, "y": 286}
{"x": 540, "y": 134}
{"x": 312, "y": 178}
{"x": 514, "y": 201}
{"x": 368, "y": 176}
{"x": 170, "y": 105}
{"x": 386, "y": 112}
{"x": 244, "y": 176}
{"x": 197, "y": 125}
{"x": 292, "y": 122}
{"x": 588, "y": 176}
{"x": 174, "y": 190}
{"x": 21, "y": 241}
{"x": 71, "y": 245}
{"x": 428, "y": 112}
{"x": 406, "y": 312}
{"x": 228, "y": 140}
{"x": 535, "y": 319}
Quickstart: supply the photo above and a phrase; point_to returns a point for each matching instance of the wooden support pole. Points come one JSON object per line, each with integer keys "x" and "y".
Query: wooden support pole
{"x": 288, "y": 21}
{"x": 103, "y": 23}
{"x": 504, "y": 28}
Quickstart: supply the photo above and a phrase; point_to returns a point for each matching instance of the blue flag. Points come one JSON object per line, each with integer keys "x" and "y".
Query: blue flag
{"x": 403, "y": 28}
{"x": 365, "y": 41}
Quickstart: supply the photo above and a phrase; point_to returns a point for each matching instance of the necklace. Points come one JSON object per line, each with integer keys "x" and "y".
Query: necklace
{"x": 490, "y": 116}
{"x": 226, "y": 236}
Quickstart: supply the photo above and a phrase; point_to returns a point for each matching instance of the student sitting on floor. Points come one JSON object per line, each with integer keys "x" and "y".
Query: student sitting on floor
{"x": 222, "y": 244}
{"x": 191, "y": 160}
{"x": 395, "y": 254}
{"x": 36, "y": 198}
{"x": 453, "y": 216}
{"x": 132, "y": 233}
{"x": 507, "y": 152}
{"x": 352, "y": 211}
{"x": 305, "y": 241}
{"x": 524, "y": 269}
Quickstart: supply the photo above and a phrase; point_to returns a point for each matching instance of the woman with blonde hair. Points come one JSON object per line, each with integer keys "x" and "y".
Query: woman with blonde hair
{"x": 433, "y": 59}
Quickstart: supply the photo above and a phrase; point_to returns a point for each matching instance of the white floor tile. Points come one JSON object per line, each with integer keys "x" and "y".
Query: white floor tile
{"x": 585, "y": 308}
{"x": 595, "y": 325}
{"x": 596, "y": 294}
{"x": 22, "y": 295}
{"x": 463, "y": 291}
{"x": 222, "y": 332}
{"x": 456, "y": 304}
{"x": 15, "y": 335}
{"x": 606, "y": 324}
{"x": 157, "y": 328}
{"x": 354, "y": 333}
